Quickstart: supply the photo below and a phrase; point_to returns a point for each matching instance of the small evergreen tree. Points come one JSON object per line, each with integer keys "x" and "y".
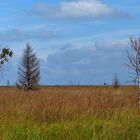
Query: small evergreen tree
{"x": 116, "y": 82}
{"x": 29, "y": 70}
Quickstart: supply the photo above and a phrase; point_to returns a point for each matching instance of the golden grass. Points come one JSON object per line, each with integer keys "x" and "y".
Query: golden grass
{"x": 69, "y": 113}
{"x": 50, "y": 104}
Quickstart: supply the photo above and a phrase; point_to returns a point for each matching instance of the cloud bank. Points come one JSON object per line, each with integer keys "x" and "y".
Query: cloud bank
{"x": 77, "y": 9}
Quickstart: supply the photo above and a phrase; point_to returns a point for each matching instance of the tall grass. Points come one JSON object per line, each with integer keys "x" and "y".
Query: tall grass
{"x": 69, "y": 113}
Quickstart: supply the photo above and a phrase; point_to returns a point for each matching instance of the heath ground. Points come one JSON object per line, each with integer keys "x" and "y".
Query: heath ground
{"x": 70, "y": 113}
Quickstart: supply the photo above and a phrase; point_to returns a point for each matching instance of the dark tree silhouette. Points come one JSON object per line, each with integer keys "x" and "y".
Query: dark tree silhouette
{"x": 115, "y": 82}
{"x": 29, "y": 70}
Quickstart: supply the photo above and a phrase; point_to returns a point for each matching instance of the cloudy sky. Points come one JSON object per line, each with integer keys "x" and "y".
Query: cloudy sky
{"x": 78, "y": 41}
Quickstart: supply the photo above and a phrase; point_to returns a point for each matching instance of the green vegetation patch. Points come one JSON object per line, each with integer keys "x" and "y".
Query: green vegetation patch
{"x": 88, "y": 128}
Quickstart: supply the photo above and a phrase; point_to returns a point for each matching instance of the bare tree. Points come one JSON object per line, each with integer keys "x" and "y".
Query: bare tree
{"x": 29, "y": 70}
{"x": 133, "y": 56}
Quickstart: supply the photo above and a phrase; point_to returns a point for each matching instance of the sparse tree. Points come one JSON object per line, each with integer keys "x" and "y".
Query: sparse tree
{"x": 5, "y": 55}
{"x": 133, "y": 55}
{"x": 115, "y": 82}
{"x": 29, "y": 70}
{"x": 8, "y": 83}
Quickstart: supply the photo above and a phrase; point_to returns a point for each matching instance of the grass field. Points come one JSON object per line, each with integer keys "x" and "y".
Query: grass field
{"x": 69, "y": 113}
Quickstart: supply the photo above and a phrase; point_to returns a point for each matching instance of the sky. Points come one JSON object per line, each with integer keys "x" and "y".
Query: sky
{"x": 77, "y": 41}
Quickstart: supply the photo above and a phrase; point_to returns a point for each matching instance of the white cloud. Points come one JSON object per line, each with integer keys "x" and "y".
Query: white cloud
{"x": 76, "y": 9}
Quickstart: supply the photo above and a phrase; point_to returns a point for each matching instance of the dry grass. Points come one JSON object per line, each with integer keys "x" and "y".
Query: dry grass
{"x": 66, "y": 103}
{"x": 69, "y": 113}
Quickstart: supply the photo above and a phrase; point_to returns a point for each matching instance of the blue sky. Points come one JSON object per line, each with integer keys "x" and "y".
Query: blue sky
{"x": 82, "y": 41}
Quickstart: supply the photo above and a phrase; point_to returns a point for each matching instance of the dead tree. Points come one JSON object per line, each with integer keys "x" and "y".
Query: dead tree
{"x": 29, "y": 70}
{"x": 133, "y": 56}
